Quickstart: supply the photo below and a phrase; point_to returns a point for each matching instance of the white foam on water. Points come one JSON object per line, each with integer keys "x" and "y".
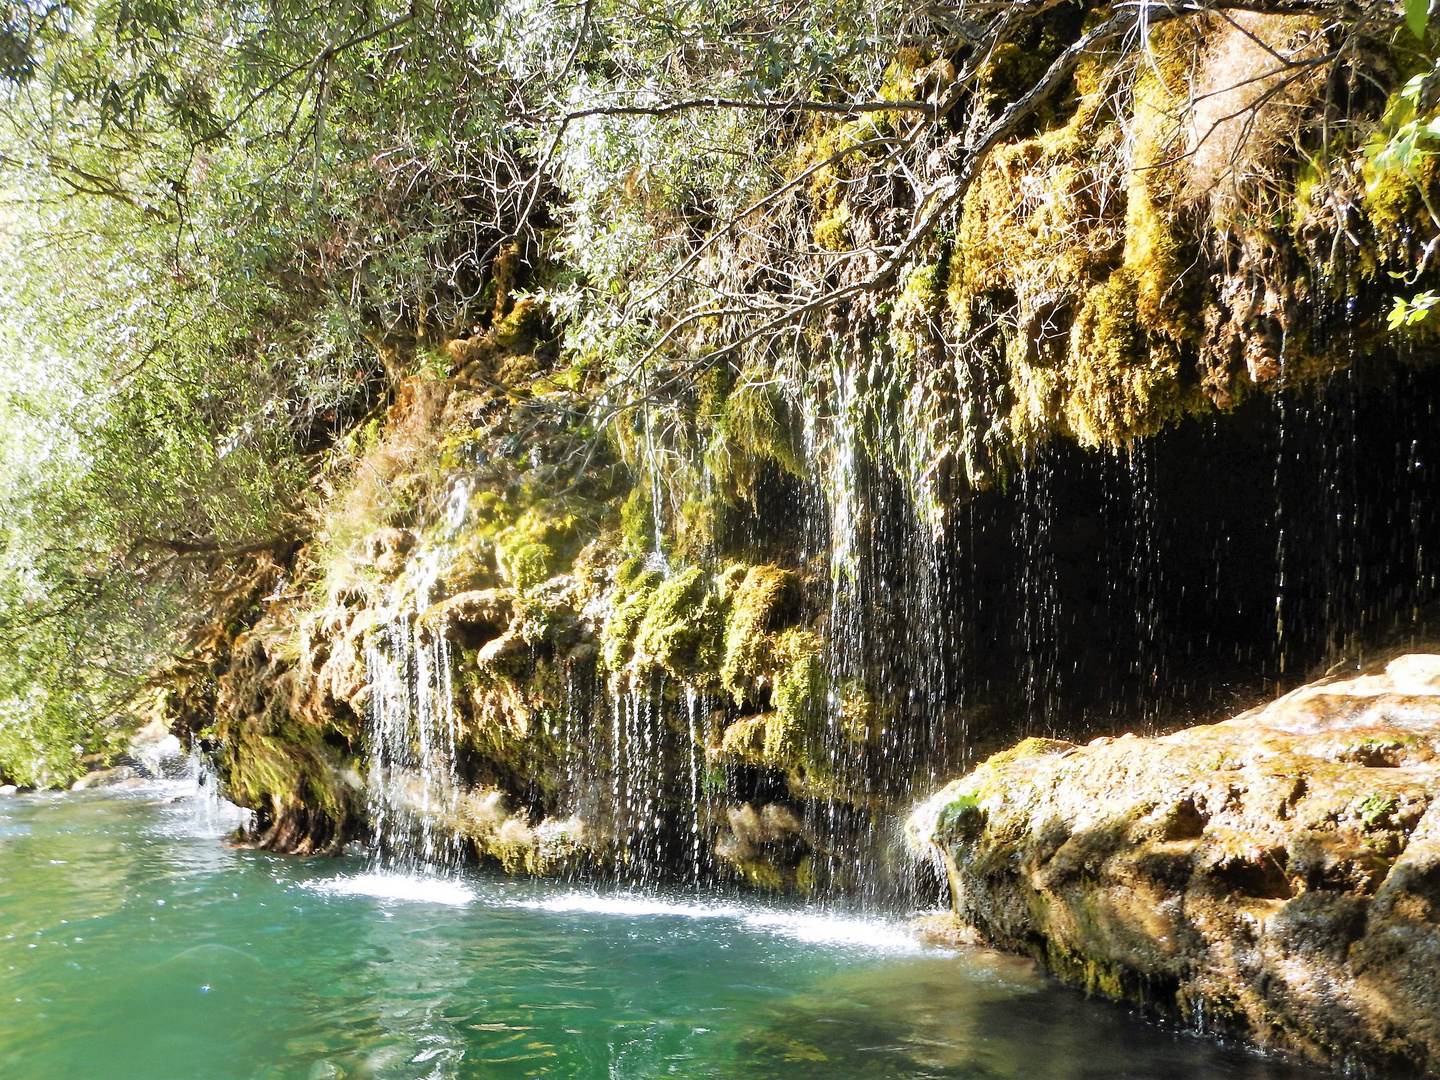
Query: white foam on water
{"x": 635, "y": 906}
{"x": 408, "y": 888}
{"x": 811, "y": 927}
{"x": 871, "y": 935}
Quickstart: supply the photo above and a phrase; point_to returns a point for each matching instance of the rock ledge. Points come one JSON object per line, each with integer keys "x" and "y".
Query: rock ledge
{"x": 1275, "y": 876}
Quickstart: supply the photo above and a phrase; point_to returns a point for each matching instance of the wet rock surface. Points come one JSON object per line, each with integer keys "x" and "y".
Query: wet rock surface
{"x": 1276, "y": 875}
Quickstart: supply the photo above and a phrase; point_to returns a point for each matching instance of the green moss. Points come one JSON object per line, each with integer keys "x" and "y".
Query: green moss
{"x": 898, "y": 81}
{"x": 916, "y": 309}
{"x": 1014, "y": 67}
{"x": 637, "y": 521}
{"x": 1073, "y": 274}
{"x": 762, "y": 875}
{"x": 800, "y": 684}
{"x": 1376, "y": 807}
{"x": 630, "y": 602}
{"x": 805, "y": 876}
{"x": 1032, "y": 747}
{"x": 1157, "y": 251}
{"x": 753, "y": 427}
{"x": 697, "y": 528}
{"x": 833, "y": 231}
{"x": 540, "y": 543}
{"x": 827, "y": 185}
{"x": 470, "y": 565}
{"x": 791, "y": 736}
{"x": 285, "y": 768}
{"x": 961, "y": 819}
{"x": 757, "y": 602}
{"x": 682, "y": 627}
{"x": 1395, "y": 200}
{"x": 1119, "y": 388}
{"x": 859, "y": 715}
{"x": 756, "y": 740}
{"x": 461, "y": 448}
{"x": 517, "y": 330}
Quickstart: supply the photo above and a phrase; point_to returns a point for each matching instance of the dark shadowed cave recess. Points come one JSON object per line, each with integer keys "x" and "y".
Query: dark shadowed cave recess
{"x": 1096, "y": 592}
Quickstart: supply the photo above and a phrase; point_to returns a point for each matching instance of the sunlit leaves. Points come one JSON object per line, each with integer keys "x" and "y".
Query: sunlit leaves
{"x": 230, "y": 224}
{"x": 1405, "y": 313}
{"x": 1417, "y": 16}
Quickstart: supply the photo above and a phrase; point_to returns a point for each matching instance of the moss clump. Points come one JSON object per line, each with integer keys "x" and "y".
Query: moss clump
{"x": 799, "y": 694}
{"x": 749, "y": 740}
{"x": 1157, "y": 250}
{"x": 681, "y": 630}
{"x": 960, "y": 819}
{"x": 758, "y": 603}
{"x": 828, "y": 185}
{"x": 630, "y": 601}
{"x": 517, "y": 330}
{"x": 1119, "y": 387}
{"x": 1031, "y": 747}
{"x": 752, "y": 427}
{"x": 637, "y": 521}
{"x": 698, "y": 525}
{"x": 1038, "y": 230}
{"x": 471, "y": 565}
{"x": 789, "y": 737}
{"x": 1402, "y": 192}
{"x": 916, "y": 310}
{"x": 281, "y": 766}
{"x": 1074, "y": 277}
{"x": 540, "y": 542}
{"x": 833, "y": 232}
{"x": 1395, "y": 198}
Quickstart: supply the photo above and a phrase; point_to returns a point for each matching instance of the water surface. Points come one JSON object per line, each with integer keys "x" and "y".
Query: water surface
{"x": 135, "y": 945}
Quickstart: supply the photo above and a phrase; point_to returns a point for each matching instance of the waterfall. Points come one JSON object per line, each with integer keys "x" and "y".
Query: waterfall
{"x": 1084, "y": 593}
{"x": 413, "y": 788}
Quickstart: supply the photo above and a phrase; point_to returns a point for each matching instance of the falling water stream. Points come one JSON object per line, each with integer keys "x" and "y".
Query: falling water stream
{"x": 413, "y": 785}
{"x": 1087, "y": 593}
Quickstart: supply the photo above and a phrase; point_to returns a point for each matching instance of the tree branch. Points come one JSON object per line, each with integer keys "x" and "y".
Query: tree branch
{"x": 945, "y": 196}
{"x": 853, "y": 108}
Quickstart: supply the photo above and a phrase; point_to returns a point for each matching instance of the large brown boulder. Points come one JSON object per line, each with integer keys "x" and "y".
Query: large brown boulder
{"x": 1275, "y": 876}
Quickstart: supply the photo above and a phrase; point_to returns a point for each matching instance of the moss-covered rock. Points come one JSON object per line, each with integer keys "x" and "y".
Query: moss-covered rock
{"x": 635, "y": 587}
{"x": 680, "y": 633}
{"x": 762, "y": 601}
{"x": 1272, "y": 875}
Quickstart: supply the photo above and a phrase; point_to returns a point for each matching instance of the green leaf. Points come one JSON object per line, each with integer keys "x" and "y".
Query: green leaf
{"x": 1396, "y": 318}
{"x": 1417, "y": 16}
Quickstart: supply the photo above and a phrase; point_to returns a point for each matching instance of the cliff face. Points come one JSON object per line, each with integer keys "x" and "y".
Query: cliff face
{"x": 1125, "y": 443}
{"x": 494, "y": 580}
{"x": 1273, "y": 875}
{"x": 494, "y": 619}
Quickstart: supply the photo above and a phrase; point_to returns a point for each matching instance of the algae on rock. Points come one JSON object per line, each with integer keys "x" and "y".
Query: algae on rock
{"x": 1270, "y": 875}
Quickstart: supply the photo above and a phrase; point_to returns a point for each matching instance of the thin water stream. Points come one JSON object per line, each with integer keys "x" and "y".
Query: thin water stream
{"x": 134, "y": 944}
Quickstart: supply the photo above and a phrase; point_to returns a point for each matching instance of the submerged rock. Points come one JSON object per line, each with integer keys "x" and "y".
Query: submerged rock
{"x": 1276, "y": 875}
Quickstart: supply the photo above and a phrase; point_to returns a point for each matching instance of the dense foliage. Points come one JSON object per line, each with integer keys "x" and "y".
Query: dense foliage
{"x": 229, "y": 229}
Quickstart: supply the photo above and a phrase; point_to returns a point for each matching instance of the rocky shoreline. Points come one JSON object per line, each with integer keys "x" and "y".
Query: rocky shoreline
{"x": 1275, "y": 876}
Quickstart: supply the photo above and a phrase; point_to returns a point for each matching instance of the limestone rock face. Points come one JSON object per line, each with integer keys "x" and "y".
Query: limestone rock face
{"x": 1276, "y": 875}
